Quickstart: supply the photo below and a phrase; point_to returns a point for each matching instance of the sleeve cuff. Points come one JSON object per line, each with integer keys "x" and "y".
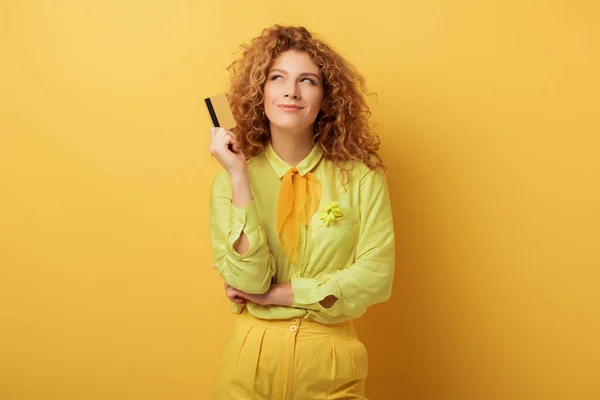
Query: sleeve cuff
{"x": 244, "y": 218}
{"x": 310, "y": 291}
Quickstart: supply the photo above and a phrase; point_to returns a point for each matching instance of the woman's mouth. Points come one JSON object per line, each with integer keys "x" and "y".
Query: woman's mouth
{"x": 289, "y": 107}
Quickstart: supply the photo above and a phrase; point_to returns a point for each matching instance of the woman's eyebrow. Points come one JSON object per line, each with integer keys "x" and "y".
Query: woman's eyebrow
{"x": 310, "y": 74}
{"x": 302, "y": 74}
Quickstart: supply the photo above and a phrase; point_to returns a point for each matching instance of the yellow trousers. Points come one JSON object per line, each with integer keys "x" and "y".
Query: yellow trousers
{"x": 295, "y": 359}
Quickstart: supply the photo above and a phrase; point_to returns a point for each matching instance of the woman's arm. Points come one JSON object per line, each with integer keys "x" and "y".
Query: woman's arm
{"x": 241, "y": 196}
{"x": 369, "y": 279}
{"x": 279, "y": 295}
{"x": 240, "y": 250}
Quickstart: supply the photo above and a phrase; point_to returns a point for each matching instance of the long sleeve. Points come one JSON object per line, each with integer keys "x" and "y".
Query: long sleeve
{"x": 369, "y": 279}
{"x": 251, "y": 272}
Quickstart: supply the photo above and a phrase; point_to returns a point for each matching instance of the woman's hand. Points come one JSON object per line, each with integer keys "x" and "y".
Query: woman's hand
{"x": 224, "y": 147}
{"x": 233, "y": 295}
{"x": 278, "y": 295}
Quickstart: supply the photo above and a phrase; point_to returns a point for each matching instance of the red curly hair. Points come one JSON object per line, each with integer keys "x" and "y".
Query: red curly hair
{"x": 342, "y": 127}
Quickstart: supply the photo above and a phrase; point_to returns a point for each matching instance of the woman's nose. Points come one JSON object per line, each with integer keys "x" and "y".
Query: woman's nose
{"x": 291, "y": 90}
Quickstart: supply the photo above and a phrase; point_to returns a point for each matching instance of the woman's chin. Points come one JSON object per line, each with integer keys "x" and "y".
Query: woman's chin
{"x": 289, "y": 127}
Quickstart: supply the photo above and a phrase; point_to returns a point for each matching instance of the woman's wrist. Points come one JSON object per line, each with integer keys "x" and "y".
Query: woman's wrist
{"x": 239, "y": 176}
{"x": 283, "y": 295}
{"x": 240, "y": 188}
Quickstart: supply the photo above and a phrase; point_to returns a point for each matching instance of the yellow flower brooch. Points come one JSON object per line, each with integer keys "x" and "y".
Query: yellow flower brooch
{"x": 330, "y": 213}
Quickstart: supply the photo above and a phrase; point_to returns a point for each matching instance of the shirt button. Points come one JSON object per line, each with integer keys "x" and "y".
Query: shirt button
{"x": 293, "y": 328}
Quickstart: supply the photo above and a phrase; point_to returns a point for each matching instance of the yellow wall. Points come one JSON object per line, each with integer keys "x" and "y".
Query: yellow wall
{"x": 488, "y": 113}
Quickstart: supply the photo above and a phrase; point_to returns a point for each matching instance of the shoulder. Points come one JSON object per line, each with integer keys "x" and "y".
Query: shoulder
{"x": 371, "y": 178}
{"x": 361, "y": 171}
{"x": 354, "y": 172}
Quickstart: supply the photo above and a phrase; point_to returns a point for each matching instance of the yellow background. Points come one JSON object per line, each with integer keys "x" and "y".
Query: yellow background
{"x": 488, "y": 114}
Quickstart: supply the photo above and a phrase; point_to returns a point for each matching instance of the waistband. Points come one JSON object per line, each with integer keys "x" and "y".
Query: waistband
{"x": 297, "y": 324}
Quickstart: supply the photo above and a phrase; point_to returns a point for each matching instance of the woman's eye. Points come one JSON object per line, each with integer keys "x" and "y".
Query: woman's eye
{"x": 277, "y": 77}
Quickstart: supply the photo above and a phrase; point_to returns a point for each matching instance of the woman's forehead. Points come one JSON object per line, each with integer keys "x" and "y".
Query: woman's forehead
{"x": 295, "y": 62}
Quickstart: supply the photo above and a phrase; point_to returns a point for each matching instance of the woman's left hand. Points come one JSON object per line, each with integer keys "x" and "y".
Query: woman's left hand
{"x": 280, "y": 294}
{"x": 233, "y": 294}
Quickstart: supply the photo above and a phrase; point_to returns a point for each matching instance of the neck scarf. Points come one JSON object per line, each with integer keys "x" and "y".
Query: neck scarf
{"x": 299, "y": 199}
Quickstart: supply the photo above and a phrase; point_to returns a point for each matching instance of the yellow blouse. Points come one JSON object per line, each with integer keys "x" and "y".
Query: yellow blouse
{"x": 350, "y": 256}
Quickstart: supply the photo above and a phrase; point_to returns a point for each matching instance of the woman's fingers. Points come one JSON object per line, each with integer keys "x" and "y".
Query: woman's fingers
{"x": 229, "y": 142}
{"x": 230, "y": 293}
{"x": 221, "y": 137}
{"x": 233, "y": 294}
{"x": 225, "y": 148}
{"x": 216, "y": 140}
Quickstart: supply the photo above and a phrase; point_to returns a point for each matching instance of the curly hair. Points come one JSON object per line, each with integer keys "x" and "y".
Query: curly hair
{"x": 342, "y": 127}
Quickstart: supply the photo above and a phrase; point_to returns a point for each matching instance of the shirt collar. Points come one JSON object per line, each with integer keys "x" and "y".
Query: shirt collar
{"x": 305, "y": 166}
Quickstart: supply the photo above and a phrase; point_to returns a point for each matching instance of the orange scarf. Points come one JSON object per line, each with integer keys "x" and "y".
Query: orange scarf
{"x": 299, "y": 199}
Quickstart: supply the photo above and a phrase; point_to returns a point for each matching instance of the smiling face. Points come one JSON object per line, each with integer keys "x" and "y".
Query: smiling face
{"x": 293, "y": 92}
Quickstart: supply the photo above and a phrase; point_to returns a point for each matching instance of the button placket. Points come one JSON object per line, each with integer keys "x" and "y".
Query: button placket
{"x": 296, "y": 323}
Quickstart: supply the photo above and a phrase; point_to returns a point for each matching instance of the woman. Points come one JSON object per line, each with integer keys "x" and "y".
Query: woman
{"x": 301, "y": 223}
